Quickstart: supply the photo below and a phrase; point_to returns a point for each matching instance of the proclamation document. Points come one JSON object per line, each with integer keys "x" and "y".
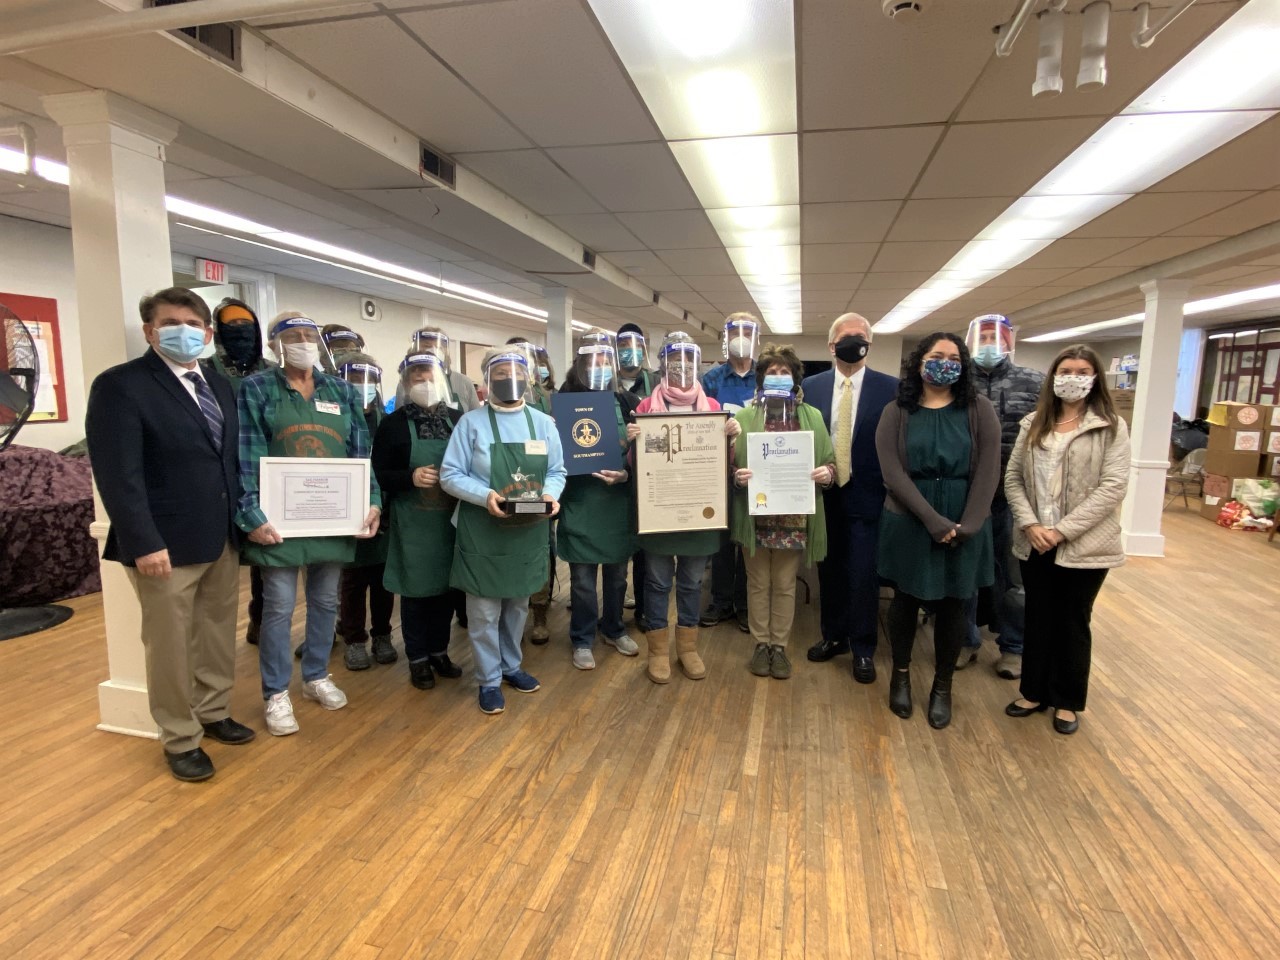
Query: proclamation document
{"x": 780, "y": 465}
{"x": 682, "y": 472}
{"x": 314, "y": 497}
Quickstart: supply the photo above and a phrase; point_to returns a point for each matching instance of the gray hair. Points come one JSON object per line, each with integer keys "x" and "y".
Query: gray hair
{"x": 849, "y": 318}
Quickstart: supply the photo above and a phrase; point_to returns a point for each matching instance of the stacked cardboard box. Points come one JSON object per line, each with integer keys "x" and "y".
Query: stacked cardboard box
{"x": 1123, "y": 400}
{"x": 1239, "y": 433}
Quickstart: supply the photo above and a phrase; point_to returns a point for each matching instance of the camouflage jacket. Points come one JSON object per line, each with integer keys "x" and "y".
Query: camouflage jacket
{"x": 1013, "y": 391}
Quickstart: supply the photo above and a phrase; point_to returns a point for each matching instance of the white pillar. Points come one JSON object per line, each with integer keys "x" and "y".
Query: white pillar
{"x": 559, "y": 327}
{"x": 120, "y": 241}
{"x": 1190, "y": 365}
{"x": 1152, "y": 416}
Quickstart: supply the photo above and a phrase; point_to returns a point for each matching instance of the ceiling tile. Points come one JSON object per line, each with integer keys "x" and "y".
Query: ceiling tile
{"x": 859, "y": 222}
{"x": 713, "y": 284}
{"x": 899, "y": 280}
{"x": 982, "y": 159}
{"x": 1026, "y": 277}
{"x": 837, "y": 257}
{"x": 600, "y": 231}
{"x": 958, "y": 218}
{"x": 533, "y": 180}
{"x": 1246, "y": 163}
{"x": 223, "y": 195}
{"x": 697, "y": 262}
{"x": 1078, "y": 253}
{"x": 638, "y": 176}
{"x": 1151, "y": 214}
{"x": 545, "y": 66}
{"x": 671, "y": 229}
{"x": 923, "y": 255}
{"x": 419, "y": 244}
{"x": 637, "y": 261}
{"x": 864, "y": 164}
{"x": 818, "y": 282}
{"x": 1091, "y": 275}
{"x": 1257, "y": 211}
{"x": 1155, "y": 250}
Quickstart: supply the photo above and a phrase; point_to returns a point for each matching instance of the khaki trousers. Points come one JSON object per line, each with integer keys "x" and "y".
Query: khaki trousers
{"x": 771, "y": 591}
{"x": 189, "y": 635}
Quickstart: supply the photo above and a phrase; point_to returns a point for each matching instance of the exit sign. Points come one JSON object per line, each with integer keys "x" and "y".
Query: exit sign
{"x": 211, "y": 271}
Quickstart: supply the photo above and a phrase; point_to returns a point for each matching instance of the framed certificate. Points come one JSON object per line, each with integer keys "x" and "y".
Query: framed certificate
{"x": 314, "y": 496}
{"x": 588, "y": 426}
{"x": 780, "y": 465}
{"x": 682, "y": 472}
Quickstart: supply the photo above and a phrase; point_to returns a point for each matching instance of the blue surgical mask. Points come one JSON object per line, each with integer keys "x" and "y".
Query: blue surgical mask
{"x": 988, "y": 355}
{"x": 599, "y": 378}
{"x": 941, "y": 373}
{"x": 778, "y": 383}
{"x": 630, "y": 357}
{"x": 543, "y": 373}
{"x": 181, "y": 343}
{"x": 369, "y": 393}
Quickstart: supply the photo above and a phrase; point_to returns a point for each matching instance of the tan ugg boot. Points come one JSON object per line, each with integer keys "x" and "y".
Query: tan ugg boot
{"x": 659, "y": 642}
{"x": 538, "y": 632}
{"x": 687, "y": 652}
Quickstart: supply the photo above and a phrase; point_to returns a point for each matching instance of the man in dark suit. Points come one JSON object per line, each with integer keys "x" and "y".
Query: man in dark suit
{"x": 163, "y": 442}
{"x": 851, "y": 399}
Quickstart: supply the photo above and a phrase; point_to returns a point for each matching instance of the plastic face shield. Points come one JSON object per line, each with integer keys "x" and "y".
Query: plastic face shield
{"x": 343, "y": 341}
{"x": 296, "y": 331}
{"x": 597, "y": 366}
{"x": 366, "y": 378}
{"x": 681, "y": 362}
{"x": 507, "y": 377}
{"x": 631, "y": 350}
{"x": 425, "y": 380}
{"x": 431, "y": 341}
{"x": 990, "y": 339}
{"x": 741, "y": 339}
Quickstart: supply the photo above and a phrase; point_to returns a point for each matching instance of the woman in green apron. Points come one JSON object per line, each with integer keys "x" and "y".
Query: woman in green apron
{"x": 504, "y": 453}
{"x": 407, "y": 451}
{"x": 597, "y": 523}
{"x": 773, "y": 545}
{"x": 939, "y": 450}
{"x": 295, "y": 411}
{"x": 362, "y": 578}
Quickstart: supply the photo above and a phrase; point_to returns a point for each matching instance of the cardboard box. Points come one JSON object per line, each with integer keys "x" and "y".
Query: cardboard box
{"x": 1275, "y": 418}
{"x": 1272, "y": 444}
{"x": 1211, "y": 506}
{"x": 1240, "y": 441}
{"x": 1228, "y": 463}
{"x": 1242, "y": 416}
{"x": 1272, "y": 467}
{"x": 1217, "y": 486}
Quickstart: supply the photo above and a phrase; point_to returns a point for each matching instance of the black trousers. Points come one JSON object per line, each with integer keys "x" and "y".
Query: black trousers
{"x": 255, "y": 596}
{"x": 637, "y": 581}
{"x": 950, "y": 624}
{"x": 425, "y": 624}
{"x": 1058, "y": 647}
{"x": 355, "y": 583}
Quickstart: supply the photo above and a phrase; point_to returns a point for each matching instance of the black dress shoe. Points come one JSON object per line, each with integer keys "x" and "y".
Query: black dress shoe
{"x": 192, "y": 766}
{"x": 864, "y": 670}
{"x": 445, "y": 667}
{"x": 1013, "y": 710}
{"x": 227, "y": 730}
{"x": 1065, "y": 727}
{"x": 825, "y": 650}
{"x": 940, "y": 704}
{"x": 743, "y": 624}
{"x": 713, "y": 615}
{"x": 421, "y": 675}
{"x": 900, "y": 693}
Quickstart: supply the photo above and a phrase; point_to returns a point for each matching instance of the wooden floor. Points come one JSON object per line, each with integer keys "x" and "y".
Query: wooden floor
{"x": 735, "y": 817}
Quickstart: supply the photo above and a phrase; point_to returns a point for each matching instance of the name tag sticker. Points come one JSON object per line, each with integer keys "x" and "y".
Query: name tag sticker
{"x": 535, "y": 448}
{"x": 324, "y": 407}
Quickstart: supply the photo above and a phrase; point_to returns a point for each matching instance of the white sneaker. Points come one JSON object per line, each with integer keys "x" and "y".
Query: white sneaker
{"x": 583, "y": 658}
{"x": 279, "y": 709}
{"x": 325, "y": 692}
{"x": 624, "y": 645}
{"x": 629, "y": 602}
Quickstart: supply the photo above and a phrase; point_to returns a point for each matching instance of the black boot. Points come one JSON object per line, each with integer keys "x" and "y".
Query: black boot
{"x": 444, "y": 666}
{"x": 900, "y": 693}
{"x": 421, "y": 675}
{"x": 940, "y": 703}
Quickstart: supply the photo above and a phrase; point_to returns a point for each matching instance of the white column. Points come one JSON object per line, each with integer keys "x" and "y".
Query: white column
{"x": 559, "y": 327}
{"x": 120, "y": 241}
{"x": 1152, "y": 416}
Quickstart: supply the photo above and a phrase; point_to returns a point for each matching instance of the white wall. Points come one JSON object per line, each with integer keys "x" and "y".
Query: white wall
{"x": 35, "y": 261}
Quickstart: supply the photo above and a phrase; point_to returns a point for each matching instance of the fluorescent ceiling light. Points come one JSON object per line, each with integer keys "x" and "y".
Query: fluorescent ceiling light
{"x": 742, "y": 171}
{"x": 1224, "y": 87}
{"x": 1222, "y": 336}
{"x": 15, "y": 161}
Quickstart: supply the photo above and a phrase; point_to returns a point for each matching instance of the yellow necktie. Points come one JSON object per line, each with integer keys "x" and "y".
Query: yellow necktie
{"x": 844, "y": 434}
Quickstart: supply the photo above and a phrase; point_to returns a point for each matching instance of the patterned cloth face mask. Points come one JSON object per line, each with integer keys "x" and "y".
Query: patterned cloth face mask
{"x": 941, "y": 373}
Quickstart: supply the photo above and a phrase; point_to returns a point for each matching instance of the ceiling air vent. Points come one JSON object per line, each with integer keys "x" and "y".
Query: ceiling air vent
{"x": 656, "y": 297}
{"x": 588, "y": 258}
{"x": 219, "y": 40}
{"x": 436, "y": 166}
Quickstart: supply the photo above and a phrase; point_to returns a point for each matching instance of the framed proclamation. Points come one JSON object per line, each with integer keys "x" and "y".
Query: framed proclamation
{"x": 314, "y": 496}
{"x": 682, "y": 472}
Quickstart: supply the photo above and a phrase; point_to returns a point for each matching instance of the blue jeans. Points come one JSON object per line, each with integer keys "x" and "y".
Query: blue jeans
{"x": 279, "y": 596}
{"x": 584, "y": 616}
{"x": 659, "y": 572}
{"x": 1008, "y": 617}
{"x": 495, "y": 627}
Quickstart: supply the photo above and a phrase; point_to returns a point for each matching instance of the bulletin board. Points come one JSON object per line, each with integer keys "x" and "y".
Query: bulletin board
{"x": 40, "y": 316}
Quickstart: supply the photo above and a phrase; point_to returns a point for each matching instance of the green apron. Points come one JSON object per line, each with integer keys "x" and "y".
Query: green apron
{"x": 596, "y": 521}
{"x": 420, "y": 553}
{"x": 373, "y": 551}
{"x": 507, "y": 558}
{"x": 298, "y": 429}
